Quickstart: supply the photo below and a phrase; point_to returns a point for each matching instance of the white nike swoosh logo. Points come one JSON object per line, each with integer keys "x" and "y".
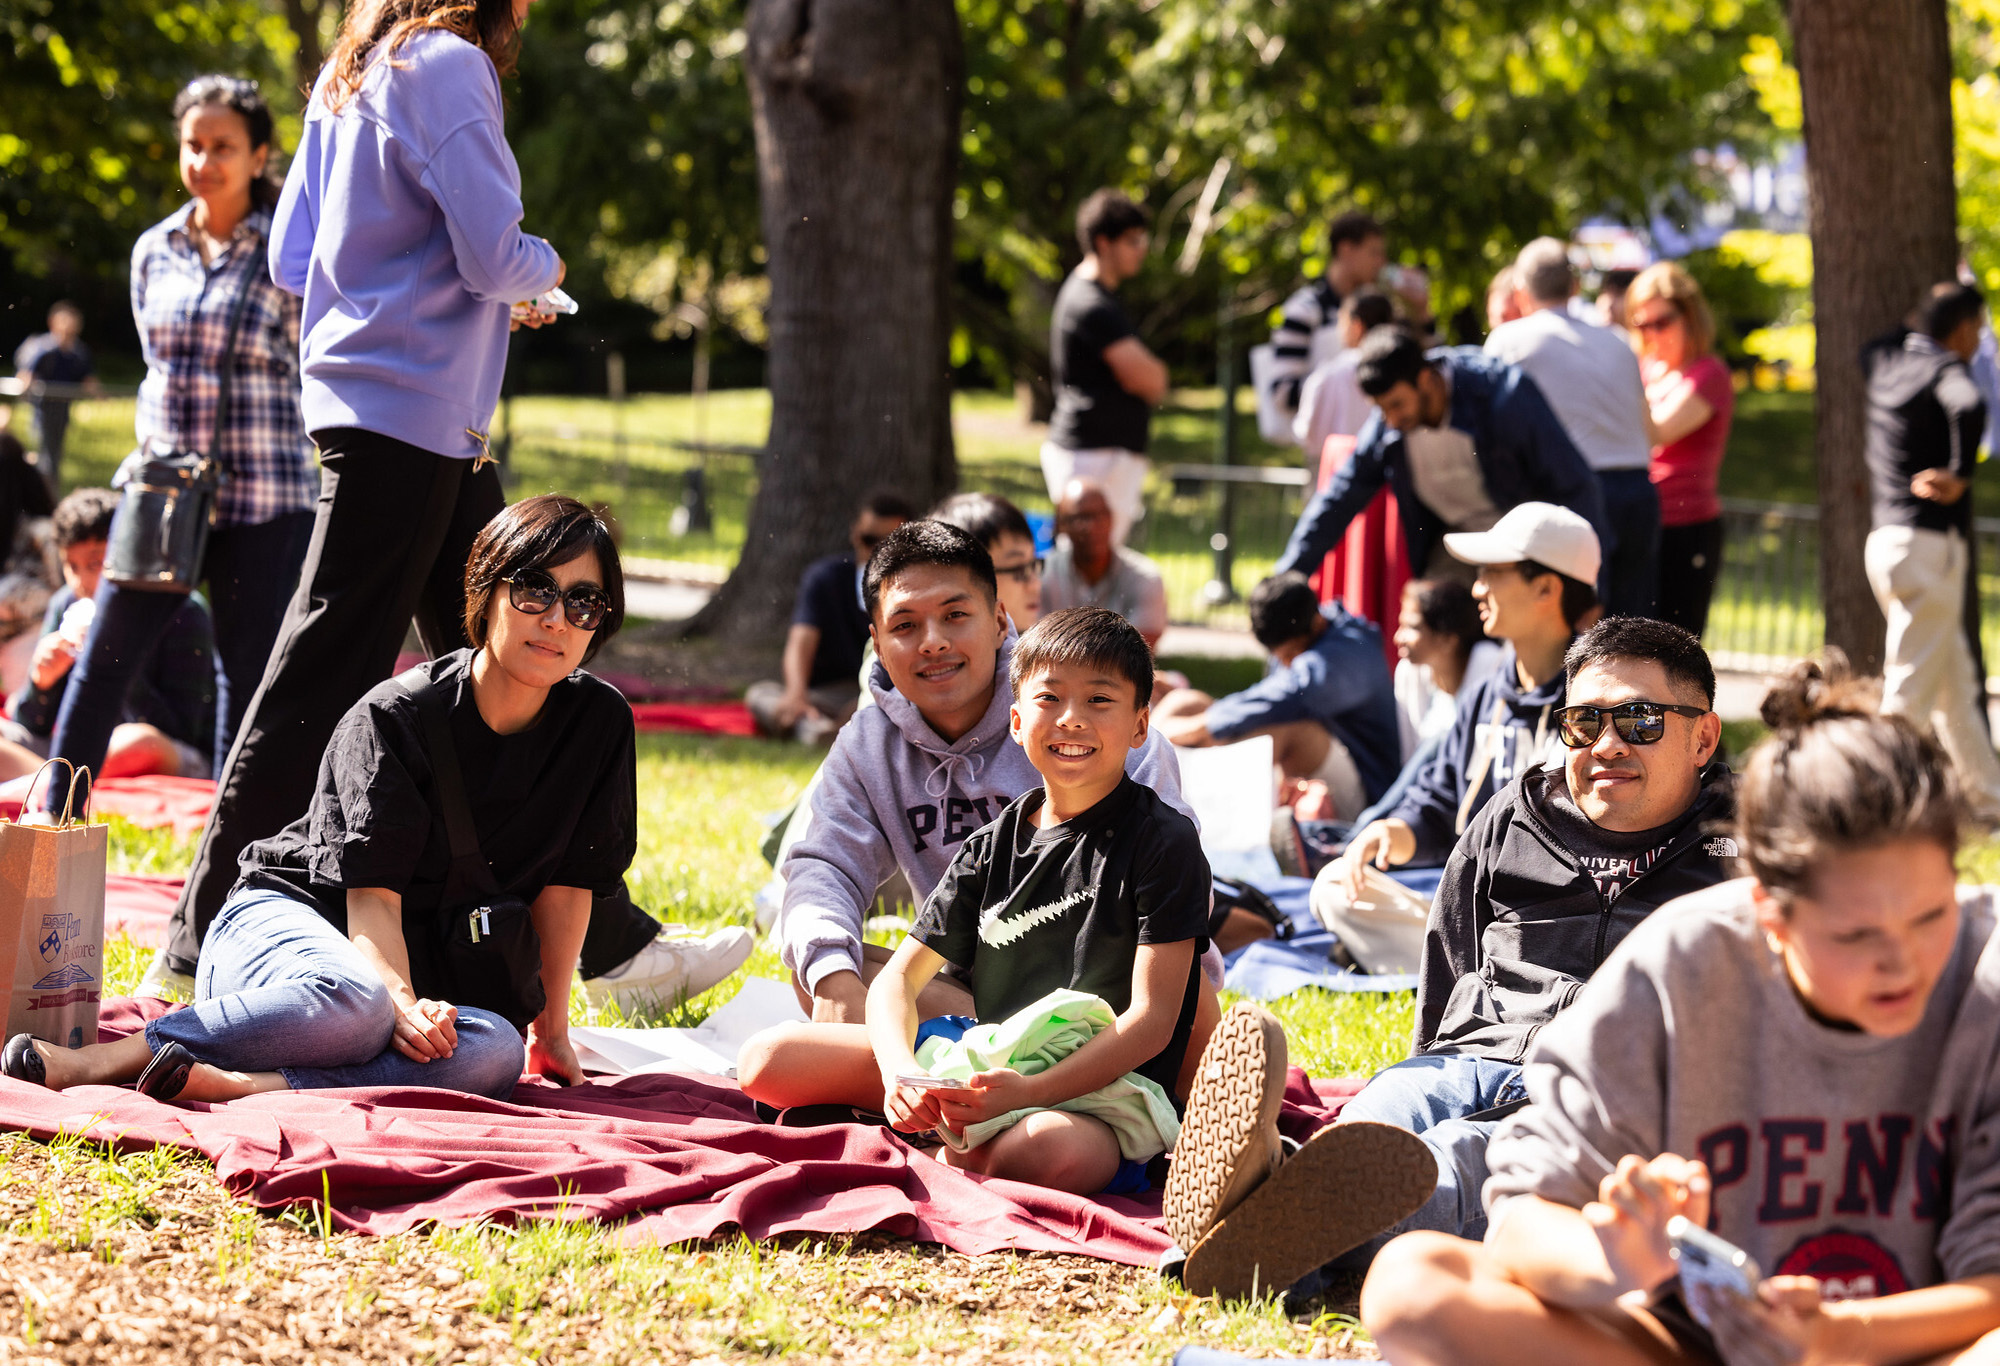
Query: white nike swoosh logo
{"x": 997, "y": 930}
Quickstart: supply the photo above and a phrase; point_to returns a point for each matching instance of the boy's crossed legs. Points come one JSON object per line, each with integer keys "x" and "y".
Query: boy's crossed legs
{"x": 834, "y": 1064}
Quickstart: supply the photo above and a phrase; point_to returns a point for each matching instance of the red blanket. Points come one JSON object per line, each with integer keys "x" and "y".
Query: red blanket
{"x": 150, "y": 801}
{"x": 676, "y": 1157}
{"x": 695, "y": 718}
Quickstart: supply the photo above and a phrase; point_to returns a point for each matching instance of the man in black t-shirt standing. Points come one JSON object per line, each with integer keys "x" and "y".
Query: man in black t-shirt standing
{"x": 57, "y": 356}
{"x": 1106, "y": 381}
{"x": 822, "y": 662}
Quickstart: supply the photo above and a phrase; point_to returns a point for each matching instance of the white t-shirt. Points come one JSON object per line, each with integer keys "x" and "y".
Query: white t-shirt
{"x": 1589, "y": 376}
{"x": 1331, "y": 404}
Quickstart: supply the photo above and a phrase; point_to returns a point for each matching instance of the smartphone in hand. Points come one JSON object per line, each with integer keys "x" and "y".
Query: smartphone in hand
{"x": 1710, "y": 1261}
{"x": 924, "y": 1081}
{"x": 545, "y": 306}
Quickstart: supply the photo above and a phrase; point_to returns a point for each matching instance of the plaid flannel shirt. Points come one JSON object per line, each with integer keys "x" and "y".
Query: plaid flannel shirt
{"x": 182, "y": 309}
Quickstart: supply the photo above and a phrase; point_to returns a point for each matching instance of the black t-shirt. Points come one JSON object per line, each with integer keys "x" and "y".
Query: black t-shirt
{"x": 1028, "y": 911}
{"x": 1093, "y": 411}
{"x": 830, "y": 599}
{"x": 1613, "y": 858}
{"x": 555, "y": 805}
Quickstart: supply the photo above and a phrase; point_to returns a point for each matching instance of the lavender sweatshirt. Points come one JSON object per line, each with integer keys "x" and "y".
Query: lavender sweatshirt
{"x": 400, "y": 224}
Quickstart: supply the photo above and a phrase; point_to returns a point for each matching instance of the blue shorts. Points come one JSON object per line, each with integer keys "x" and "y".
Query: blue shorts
{"x": 1129, "y": 1179}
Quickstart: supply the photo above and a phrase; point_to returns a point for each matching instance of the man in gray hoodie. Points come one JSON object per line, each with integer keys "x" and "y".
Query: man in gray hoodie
{"x": 909, "y": 778}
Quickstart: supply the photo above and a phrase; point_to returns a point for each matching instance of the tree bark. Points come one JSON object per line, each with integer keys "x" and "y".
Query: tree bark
{"x": 1875, "y": 77}
{"x": 303, "y": 17}
{"x": 856, "y": 104}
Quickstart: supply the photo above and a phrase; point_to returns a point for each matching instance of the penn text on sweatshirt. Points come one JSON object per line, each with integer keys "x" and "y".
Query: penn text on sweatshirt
{"x": 894, "y": 794}
{"x": 400, "y": 225}
{"x": 1866, "y": 1162}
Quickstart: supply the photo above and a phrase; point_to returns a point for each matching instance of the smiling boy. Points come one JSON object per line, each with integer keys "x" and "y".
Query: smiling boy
{"x": 1087, "y": 884}
{"x": 910, "y": 778}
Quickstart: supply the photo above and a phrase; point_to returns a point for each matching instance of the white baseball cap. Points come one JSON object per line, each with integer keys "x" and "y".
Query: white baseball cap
{"x": 1541, "y": 532}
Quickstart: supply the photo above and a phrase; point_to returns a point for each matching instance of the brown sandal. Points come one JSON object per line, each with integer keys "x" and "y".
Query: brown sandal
{"x": 1229, "y": 1141}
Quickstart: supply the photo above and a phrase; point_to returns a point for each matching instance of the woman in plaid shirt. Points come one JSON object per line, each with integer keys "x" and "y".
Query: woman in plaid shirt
{"x": 188, "y": 271}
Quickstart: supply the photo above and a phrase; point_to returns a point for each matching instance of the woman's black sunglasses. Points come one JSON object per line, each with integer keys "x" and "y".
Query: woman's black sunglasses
{"x": 1637, "y": 723}
{"x": 534, "y": 592}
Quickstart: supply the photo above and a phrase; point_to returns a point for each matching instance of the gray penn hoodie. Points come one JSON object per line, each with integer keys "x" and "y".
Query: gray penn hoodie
{"x": 894, "y": 794}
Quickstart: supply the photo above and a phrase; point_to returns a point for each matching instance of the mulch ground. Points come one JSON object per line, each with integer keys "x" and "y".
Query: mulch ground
{"x": 183, "y": 1273}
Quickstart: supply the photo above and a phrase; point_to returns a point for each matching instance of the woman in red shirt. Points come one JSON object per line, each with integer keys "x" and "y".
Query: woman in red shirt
{"x": 1692, "y": 401}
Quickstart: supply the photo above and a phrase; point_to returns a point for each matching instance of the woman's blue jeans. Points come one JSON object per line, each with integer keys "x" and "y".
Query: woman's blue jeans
{"x": 249, "y": 573}
{"x": 280, "y": 990}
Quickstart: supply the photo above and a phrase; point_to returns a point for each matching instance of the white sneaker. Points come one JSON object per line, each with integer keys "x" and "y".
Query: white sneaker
{"x": 162, "y": 983}
{"x": 670, "y": 969}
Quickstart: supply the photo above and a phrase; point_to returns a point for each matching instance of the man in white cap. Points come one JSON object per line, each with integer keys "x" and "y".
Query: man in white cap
{"x": 1537, "y": 568}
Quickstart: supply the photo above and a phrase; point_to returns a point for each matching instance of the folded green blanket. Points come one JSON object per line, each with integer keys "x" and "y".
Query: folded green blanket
{"x": 1137, "y": 1108}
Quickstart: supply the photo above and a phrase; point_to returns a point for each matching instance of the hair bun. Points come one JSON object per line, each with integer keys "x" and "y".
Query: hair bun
{"x": 1816, "y": 690}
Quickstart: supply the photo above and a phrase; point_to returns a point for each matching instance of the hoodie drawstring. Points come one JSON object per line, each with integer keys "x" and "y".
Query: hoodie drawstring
{"x": 947, "y": 773}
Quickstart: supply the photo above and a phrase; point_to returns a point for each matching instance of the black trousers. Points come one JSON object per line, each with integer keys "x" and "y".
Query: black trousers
{"x": 1690, "y": 561}
{"x": 391, "y": 537}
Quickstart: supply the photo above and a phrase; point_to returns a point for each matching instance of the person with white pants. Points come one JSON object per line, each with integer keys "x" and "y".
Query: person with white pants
{"x": 1925, "y": 418}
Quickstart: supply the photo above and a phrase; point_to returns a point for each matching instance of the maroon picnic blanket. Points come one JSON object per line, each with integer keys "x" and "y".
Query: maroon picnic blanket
{"x": 675, "y": 1157}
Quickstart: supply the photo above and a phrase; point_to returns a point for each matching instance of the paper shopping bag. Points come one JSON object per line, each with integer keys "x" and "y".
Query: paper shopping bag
{"x": 52, "y": 925}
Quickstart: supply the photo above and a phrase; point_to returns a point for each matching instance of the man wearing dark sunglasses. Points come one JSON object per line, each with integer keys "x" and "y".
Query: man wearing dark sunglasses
{"x": 823, "y": 649}
{"x": 1546, "y": 882}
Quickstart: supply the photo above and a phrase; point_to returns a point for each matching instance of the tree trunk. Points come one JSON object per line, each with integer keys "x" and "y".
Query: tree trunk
{"x": 856, "y": 105}
{"x": 303, "y": 17}
{"x": 1875, "y": 76}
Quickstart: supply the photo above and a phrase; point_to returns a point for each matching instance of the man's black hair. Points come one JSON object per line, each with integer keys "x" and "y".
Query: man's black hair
{"x": 1351, "y": 226}
{"x": 1085, "y": 636}
{"x": 1389, "y": 356}
{"x": 1282, "y": 608}
{"x": 1578, "y": 597}
{"x": 84, "y": 515}
{"x": 988, "y": 517}
{"x": 1370, "y": 307}
{"x": 1107, "y": 213}
{"x": 1947, "y": 308}
{"x": 1675, "y": 649}
{"x": 921, "y": 542}
{"x": 888, "y": 503}
{"x": 1617, "y": 280}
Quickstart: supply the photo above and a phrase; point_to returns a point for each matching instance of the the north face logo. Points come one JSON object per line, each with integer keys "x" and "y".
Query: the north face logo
{"x": 1721, "y": 847}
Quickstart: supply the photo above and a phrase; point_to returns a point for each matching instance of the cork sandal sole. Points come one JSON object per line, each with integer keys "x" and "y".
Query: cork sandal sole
{"x": 1347, "y": 1184}
{"x": 1229, "y": 1138}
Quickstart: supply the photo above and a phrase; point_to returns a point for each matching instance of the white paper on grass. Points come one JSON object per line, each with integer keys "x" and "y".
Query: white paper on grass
{"x": 1232, "y": 793}
{"x": 710, "y": 1047}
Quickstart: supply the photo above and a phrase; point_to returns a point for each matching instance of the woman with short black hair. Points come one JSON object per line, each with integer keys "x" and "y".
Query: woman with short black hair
{"x": 434, "y": 896}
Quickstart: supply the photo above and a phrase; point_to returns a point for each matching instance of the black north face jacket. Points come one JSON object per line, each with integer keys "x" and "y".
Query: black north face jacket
{"x": 1518, "y": 925}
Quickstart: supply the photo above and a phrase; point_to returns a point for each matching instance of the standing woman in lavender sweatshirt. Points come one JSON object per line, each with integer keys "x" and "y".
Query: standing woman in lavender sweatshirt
{"x": 400, "y": 225}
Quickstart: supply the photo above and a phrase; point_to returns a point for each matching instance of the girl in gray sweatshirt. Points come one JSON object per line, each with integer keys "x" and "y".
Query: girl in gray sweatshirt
{"x": 1803, "y": 1061}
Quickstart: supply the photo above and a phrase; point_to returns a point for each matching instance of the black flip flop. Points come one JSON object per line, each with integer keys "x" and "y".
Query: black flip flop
{"x": 21, "y": 1062}
{"x": 166, "y": 1074}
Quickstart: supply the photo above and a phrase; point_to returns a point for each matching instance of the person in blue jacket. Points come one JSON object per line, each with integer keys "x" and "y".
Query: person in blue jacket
{"x": 1461, "y": 438}
{"x": 1327, "y": 703}
{"x": 400, "y": 227}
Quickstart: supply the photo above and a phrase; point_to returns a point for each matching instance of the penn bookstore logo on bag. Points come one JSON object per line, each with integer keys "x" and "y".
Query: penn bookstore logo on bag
{"x": 63, "y": 936}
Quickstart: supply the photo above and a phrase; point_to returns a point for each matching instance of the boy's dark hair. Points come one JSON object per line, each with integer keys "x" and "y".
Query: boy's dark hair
{"x": 1086, "y": 635}
{"x": 1948, "y": 307}
{"x": 1351, "y": 226}
{"x": 1370, "y": 307}
{"x": 1282, "y": 608}
{"x": 921, "y": 542}
{"x": 1617, "y": 281}
{"x": 1446, "y": 607}
{"x": 1107, "y": 213}
{"x": 986, "y": 517}
{"x": 1674, "y": 648}
{"x": 84, "y": 515}
{"x": 1578, "y": 597}
{"x": 540, "y": 533}
{"x": 887, "y": 503}
{"x": 1389, "y": 356}
{"x": 66, "y": 306}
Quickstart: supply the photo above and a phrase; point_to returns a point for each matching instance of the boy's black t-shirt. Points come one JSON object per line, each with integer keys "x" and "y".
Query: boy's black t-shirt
{"x": 1093, "y": 410}
{"x": 554, "y": 805}
{"x": 1027, "y": 911}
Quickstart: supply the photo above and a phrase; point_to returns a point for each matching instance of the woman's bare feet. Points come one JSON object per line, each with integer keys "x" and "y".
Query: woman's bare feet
{"x": 122, "y": 1060}
{"x": 208, "y": 1083}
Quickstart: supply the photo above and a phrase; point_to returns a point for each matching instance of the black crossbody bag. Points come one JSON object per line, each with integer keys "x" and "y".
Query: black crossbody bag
{"x": 167, "y": 506}
{"x": 480, "y": 949}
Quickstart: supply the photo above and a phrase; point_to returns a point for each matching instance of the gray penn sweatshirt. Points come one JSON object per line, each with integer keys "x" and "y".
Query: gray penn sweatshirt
{"x": 894, "y": 794}
{"x": 1868, "y": 1163}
